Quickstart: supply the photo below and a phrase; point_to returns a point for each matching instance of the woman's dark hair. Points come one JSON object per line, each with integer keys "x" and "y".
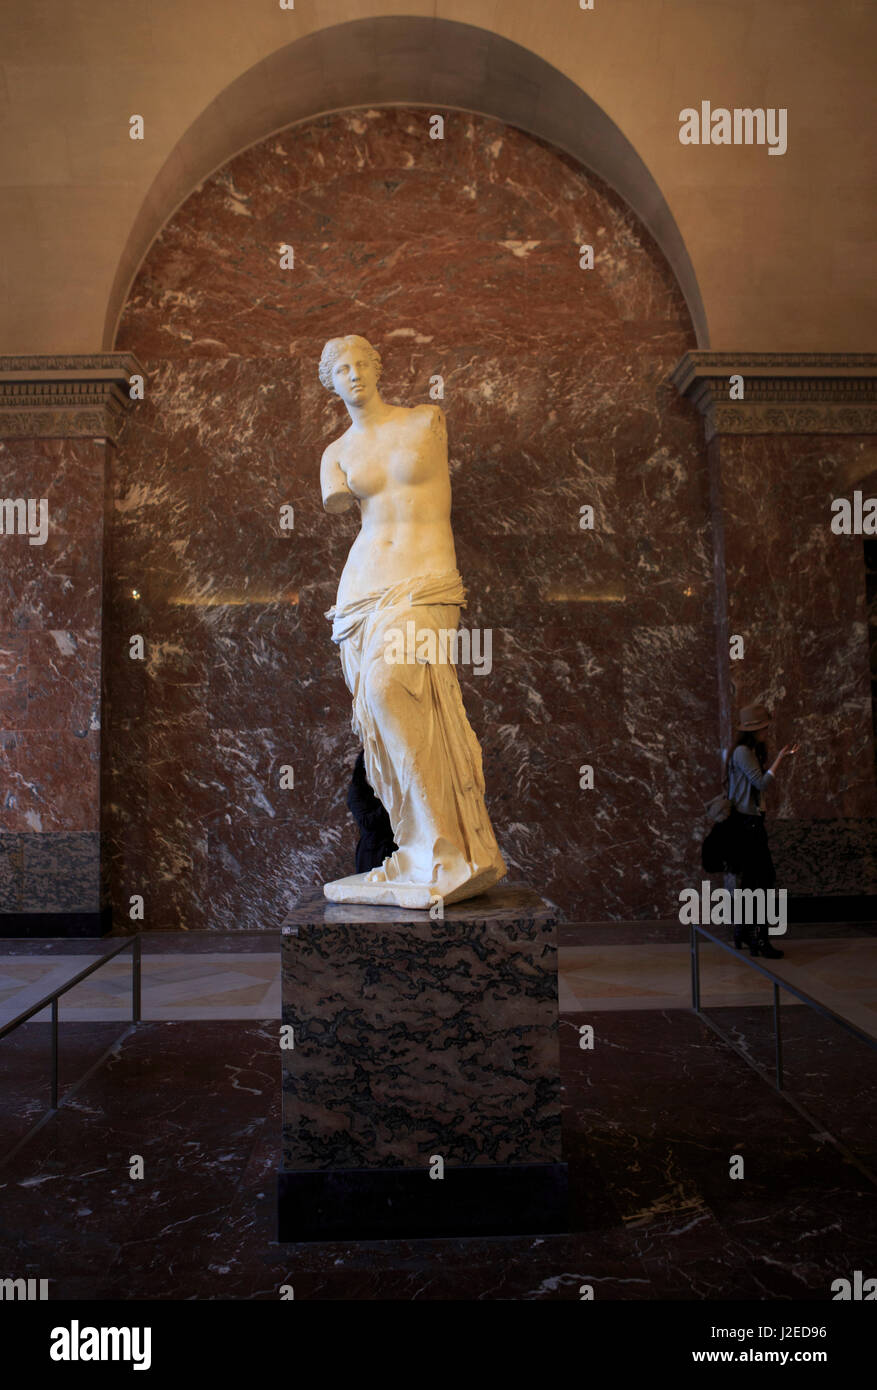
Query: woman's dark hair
{"x": 747, "y": 739}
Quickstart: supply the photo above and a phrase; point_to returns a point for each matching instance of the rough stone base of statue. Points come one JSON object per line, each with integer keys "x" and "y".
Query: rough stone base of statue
{"x": 363, "y": 889}
{"x": 356, "y": 888}
{"x": 421, "y": 1047}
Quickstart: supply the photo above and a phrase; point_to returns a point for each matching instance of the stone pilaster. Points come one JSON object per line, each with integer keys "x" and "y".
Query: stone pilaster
{"x": 59, "y": 416}
{"x": 795, "y": 592}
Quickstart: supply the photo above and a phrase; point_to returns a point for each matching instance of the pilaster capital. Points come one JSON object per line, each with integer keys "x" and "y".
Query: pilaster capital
{"x": 79, "y": 395}
{"x": 783, "y": 392}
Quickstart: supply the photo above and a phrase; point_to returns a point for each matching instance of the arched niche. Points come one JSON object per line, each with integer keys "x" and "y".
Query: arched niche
{"x": 405, "y": 60}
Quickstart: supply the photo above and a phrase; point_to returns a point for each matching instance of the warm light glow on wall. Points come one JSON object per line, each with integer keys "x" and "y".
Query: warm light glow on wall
{"x": 583, "y": 596}
{"x": 231, "y": 600}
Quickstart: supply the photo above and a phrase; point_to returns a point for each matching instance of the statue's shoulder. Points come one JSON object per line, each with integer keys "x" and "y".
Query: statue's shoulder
{"x": 334, "y": 447}
{"x": 433, "y": 418}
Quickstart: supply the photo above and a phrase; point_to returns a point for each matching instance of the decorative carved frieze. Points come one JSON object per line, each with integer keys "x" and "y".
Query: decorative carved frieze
{"x": 66, "y": 396}
{"x": 782, "y": 392}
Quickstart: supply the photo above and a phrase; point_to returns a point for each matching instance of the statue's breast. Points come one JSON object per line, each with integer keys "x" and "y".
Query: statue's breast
{"x": 403, "y": 458}
{"x": 366, "y": 471}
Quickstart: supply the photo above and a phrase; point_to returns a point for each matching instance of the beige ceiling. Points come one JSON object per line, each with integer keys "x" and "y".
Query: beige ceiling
{"x": 772, "y": 252}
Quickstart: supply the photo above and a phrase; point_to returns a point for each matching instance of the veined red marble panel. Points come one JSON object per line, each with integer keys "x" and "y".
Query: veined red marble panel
{"x": 796, "y": 595}
{"x": 50, "y": 672}
{"x": 457, "y": 258}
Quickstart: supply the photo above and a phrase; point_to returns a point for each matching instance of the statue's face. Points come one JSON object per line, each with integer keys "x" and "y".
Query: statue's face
{"x": 354, "y": 376}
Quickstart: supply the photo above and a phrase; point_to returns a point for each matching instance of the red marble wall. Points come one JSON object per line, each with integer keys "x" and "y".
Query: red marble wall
{"x": 50, "y": 662}
{"x": 796, "y": 593}
{"x": 456, "y": 257}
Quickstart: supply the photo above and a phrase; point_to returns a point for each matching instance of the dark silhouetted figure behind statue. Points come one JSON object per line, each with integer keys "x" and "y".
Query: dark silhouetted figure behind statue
{"x": 376, "y": 841}
{"x": 748, "y": 777}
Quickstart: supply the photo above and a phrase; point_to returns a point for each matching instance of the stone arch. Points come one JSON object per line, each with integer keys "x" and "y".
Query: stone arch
{"x": 558, "y": 391}
{"x": 404, "y": 60}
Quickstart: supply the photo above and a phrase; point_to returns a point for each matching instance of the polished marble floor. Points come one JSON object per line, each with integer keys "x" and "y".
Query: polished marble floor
{"x": 651, "y": 1116}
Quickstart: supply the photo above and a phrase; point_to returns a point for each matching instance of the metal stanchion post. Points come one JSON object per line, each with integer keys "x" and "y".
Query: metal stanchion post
{"x": 695, "y": 971}
{"x": 55, "y": 1053}
{"x": 136, "y": 982}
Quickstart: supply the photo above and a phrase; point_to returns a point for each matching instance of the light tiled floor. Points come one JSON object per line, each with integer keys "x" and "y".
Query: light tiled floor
{"x": 652, "y": 977}
{"x": 841, "y": 973}
{"x": 172, "y": 987}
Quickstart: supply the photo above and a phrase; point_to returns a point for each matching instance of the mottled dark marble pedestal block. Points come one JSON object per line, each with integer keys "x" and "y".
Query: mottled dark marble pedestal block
{"x": 413, "y": 1038}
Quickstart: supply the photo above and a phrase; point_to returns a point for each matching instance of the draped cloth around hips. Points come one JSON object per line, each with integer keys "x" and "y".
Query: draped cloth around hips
{"x": 421, "y": 755}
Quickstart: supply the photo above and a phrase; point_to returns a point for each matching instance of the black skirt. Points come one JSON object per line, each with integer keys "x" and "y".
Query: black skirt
{"x": 738, "y": 845}
{"x": 755, "y": 863}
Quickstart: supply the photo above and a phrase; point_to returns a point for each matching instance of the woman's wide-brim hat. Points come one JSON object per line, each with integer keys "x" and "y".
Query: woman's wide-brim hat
{"x": 753, "y": 718}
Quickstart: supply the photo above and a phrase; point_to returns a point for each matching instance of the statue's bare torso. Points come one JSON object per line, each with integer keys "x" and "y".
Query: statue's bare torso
{"x": 397, "y": 469}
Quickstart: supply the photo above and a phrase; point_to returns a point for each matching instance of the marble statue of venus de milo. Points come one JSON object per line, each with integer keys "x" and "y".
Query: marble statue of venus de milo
{"x": 421, "y": 755}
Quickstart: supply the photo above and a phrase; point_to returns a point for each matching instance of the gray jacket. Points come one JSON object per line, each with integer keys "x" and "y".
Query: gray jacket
{"x": 746, "y": 781}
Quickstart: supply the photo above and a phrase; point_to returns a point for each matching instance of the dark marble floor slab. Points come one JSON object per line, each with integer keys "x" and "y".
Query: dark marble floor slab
{"x": 26, "y": 1069}
{"x": 815, "y": 1054}
{"x": 665, "y": 1108}
{"x": 651, "y": 1118}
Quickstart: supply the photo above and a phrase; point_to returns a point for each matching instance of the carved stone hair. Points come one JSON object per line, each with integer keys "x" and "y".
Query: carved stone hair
{"x": 333, "y": 350}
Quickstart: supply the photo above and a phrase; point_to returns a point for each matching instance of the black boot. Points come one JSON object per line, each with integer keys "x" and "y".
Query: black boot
{"x": 761, "y": 946}
{"x": 742, "y": 937}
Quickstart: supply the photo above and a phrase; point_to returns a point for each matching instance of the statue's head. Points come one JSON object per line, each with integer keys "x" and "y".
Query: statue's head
{"x": 350, "y": 367}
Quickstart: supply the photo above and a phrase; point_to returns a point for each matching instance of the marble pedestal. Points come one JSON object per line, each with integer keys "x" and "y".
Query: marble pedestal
{"x": 416, "y": 1038}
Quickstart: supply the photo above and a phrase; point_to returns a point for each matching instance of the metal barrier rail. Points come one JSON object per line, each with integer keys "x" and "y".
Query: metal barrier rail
{"x": 778, "y": 983}
{"x": 52, "y": 998}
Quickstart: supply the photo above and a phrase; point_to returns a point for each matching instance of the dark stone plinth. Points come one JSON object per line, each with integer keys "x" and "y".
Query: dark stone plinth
{"x": 380, "y": 1203}
{"x": 417, "y": 1037}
